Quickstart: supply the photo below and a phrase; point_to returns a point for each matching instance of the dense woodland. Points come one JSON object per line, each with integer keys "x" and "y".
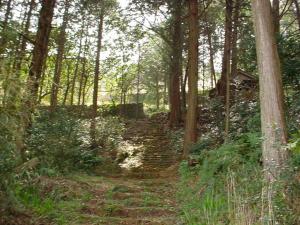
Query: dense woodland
{"x": 150, "y": 112}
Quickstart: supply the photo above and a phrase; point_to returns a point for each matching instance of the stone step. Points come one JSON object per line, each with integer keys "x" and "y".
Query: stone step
{"x": 140, "y": 221}
{"x": 166, "y": 154}
{"x": 158, "y": 158}
{"x": 158, "y": 164}
{"x": 157, "y": 155}
{"x": 154, "y": 168}
{"x": 129, "y": 212}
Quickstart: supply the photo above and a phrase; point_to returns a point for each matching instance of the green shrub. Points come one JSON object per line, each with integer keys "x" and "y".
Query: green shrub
{"x": 109, "y": 132}
{"x": 227, "y": 186}
{"x": 176, "y": 140}
{"x": 61, "y": 142}
{"x": 9, "y": 156}
{"x": 109, "y": 110}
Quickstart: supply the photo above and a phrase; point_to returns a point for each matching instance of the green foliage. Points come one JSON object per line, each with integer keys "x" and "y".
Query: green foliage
{"x": 239, "y": 159}
{"x": 8, "y": 149}
{"x": 49, "y": 205}
{"x": 61, "y": 142}
{"x": 176, "y": 140}
{"x": 289, "y": 45}
{"x": 227, "y": 187}
{"x": 109, "y": 132}
{"x": 109, "y": 110}
{"x": 295, "y": 151}
{"x": 245, "y": 116}
{"x": 293, "y": 112}
{"x": 9, "y": 156}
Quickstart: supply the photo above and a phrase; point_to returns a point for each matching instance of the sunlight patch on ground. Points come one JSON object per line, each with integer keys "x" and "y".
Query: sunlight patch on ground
{"x": 135, "y": 155}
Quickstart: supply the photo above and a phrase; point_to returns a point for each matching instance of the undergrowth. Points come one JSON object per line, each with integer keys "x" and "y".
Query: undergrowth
{"x": 53, "y": 202}
{"x": 60, "y": 143}
{"x": 226, "y": 187}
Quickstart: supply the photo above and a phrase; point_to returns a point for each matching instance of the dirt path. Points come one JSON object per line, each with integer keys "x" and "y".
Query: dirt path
{"x": 128, "y": 201}
{"x": 143, "y": 192}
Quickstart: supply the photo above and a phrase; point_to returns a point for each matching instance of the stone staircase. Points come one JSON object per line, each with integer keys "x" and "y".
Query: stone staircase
{"x": 154, "y": 151}
{"x": 145, "y": 192}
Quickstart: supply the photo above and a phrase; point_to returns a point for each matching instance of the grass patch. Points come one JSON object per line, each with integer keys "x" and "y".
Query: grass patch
{"x": 55, "y": 202}
{"x": 226, "y": 187}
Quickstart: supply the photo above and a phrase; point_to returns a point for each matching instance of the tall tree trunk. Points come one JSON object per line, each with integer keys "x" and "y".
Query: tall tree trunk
{"x": 42, "y": 84}
{"x": 203, "y": 75}
{"x": 165, "y": 94}
{"x": 14, "y": 93}
{"x": 3, "y": 39}
{"x": 211, "y": 59}
{"x": 96, "y": 79}
{"x": 81, "y": 81}
{"x": 271, "y": 92}
{"x": 276, "y": 16}
{"x": 157, "y": 91}
{"x": 59, "y": 57}
{"x": 190, "y": 136}
{"x": 77, "y": 61}
{"x": 234, "y": 61}
{"x": 84, "y": 89}
{"x": 236, "y": 24}
{"x": 37, "y": 62}
{"x": 39, "y": 52}
{"x": 21, "y": 52}
{"x": 82, "y": 76}
{"x": 297, "y": 11}
{"x": 138, "y": 83}
{"x": 68, "y": 84}
{"x": 176, "y": 66}
{"x": 183, "y": 88}
{"x": 221, "y": 85}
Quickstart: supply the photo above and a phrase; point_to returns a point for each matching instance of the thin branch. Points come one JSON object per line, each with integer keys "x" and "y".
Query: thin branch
{"x": 286, "y": 7}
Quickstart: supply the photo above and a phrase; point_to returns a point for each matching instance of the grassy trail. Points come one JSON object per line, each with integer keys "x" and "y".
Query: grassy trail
{"x": 141, "y": 192}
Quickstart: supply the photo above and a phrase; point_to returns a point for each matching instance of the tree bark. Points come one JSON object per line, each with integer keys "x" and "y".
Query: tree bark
{"x": 271, "y": 92}
{"x": 42, "y": 84}
{"x": 96, "y": 79}
{"x": 157, "y": 92}
{"x": 183, "y": 88}
{"x": 176, "y": 66}
{"x": 234, "y": 61}
{"x": 190, "y": 136}
{"x": 165, "y": 94}
{"x": 221, "y": 85}
{"x": 82, "y": 76}
{"x": 236, "y": 24}
{"x": 77, "y": 61}
{"x": 68, "y": 85}
{"x": 39, "y": 52}
{"x": 59, "y": 57}
{"x": 138, "y": 82}
{"x": 276, "y": 16}
{"x": 211, "y": 59}
{"x": 36, "y": 67}
{"x": 12, "y": 98}
{"x": 3, "y": 39}
{"x": 81, "y": 80}
{"x": 21, "y": 53}
{"x": 84, "y": 90}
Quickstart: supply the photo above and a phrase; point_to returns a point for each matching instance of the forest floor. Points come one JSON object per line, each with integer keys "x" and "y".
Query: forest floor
{"x": 143, "y": 191}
